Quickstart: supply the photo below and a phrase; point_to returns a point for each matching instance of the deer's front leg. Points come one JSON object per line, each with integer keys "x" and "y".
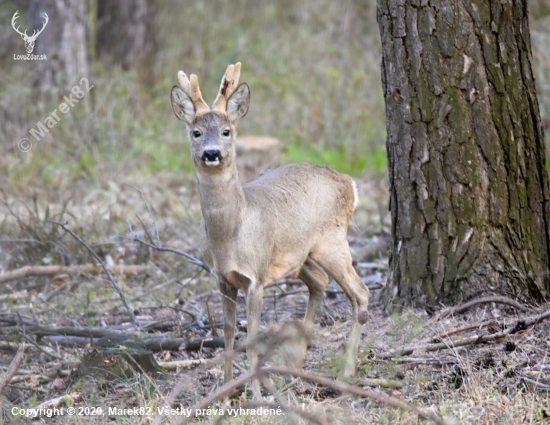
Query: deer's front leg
{"x": 229, "y": 303}
{"x": 254, "y": 298}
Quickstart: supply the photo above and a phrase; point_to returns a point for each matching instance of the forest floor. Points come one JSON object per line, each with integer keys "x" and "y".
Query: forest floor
{"x": 487, "y": 364}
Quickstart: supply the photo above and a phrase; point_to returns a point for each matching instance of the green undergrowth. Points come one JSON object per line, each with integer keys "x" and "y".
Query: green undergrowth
{"x": 313, "y": 71}
{"x": 340, "y": 159}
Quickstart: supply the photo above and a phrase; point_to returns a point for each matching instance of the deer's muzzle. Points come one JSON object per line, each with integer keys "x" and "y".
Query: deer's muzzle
{"x": 211, "y": 157}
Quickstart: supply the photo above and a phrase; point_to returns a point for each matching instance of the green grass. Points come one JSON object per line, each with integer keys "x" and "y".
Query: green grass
{"x": 340, "y": 159}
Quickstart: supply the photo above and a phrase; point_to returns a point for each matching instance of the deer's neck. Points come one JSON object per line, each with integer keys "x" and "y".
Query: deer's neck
{"x": 222, "y": 203}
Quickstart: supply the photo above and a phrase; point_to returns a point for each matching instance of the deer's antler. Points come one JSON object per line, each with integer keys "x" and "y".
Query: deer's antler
{"x": 229, "y": 84}
{"x": 191, "y": 88}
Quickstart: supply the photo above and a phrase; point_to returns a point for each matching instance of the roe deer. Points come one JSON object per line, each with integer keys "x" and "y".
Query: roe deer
{"x": 292, "y": 220}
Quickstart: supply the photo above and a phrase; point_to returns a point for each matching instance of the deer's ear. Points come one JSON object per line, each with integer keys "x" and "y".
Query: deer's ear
{"x": 182, "y": 105}
{"x": 238, "y": 103}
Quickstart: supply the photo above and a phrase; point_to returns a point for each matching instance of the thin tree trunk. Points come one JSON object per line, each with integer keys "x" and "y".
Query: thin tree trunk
{"x": 126, "y": 35}
{"x": 469, "y": 187}
{"x": 63, "y": 41}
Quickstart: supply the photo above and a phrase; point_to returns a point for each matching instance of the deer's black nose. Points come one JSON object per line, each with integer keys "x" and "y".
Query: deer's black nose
{"x": 211, "y": 155}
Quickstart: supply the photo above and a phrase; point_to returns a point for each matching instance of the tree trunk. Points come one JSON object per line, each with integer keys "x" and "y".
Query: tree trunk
{"x": 63, "y": 42}
{"x": 126, "y": 35}
{"x": 469, "y": 188}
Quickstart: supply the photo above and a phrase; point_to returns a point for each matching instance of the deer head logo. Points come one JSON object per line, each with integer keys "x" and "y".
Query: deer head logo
{"x": 29, "y": 40}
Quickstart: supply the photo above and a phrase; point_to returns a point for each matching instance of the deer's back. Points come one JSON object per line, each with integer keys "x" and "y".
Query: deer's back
{"x": 303, "y": 195}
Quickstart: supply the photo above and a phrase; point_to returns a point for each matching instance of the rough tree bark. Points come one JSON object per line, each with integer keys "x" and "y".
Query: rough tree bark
{"x": 469, "y": 188}
{"x": 63, "y": 41}
{"x": 126, "y": 35}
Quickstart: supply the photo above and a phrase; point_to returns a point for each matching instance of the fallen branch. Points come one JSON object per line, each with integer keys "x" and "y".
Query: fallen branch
{"x": 484, "y": 300}
{"x": 154, "y": 344}
{"x": 182, "y": 364}
{"x": 39, "y": 348}
{"x": 411, "y": 361}
{"x": 342, "y": 387}
{"x": 537, "y": 384}
{"x": 15, "y": 296}
{"x": 13, "y": 368}
{"x": 86, "y": 332}
{"x": 37, "y": 378}
{"x": 77, "y": 269}
{"x": 41, "y": 409}
{"x": 16, "y": 319}
{"x": 182, "y": 344}
{"x": 129, "y": 308}
{"x": 475, "y": 339}
{"x": 384, "y": 383}
{"x": 463, "y": 329}
{"x": 8, "y": 346}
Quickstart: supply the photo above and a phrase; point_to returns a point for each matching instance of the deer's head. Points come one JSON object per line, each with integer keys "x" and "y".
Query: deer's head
{"x": 29, "y": 40}
{"x": 212, "y": 131}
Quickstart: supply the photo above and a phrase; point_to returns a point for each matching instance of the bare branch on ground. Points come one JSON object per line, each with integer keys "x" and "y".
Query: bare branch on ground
{"x": 464, "y": 329}
{"x": 154, "y": 344}
{"x": 56, "y": 402}
{"x": 344, "y": 388}
{"x": 484, "y": 300}
{"x": 77, "y": 269}
{"x": 12, "y": 369}
{"x": 182, "y": 364}
{"x": 475, "y": 339}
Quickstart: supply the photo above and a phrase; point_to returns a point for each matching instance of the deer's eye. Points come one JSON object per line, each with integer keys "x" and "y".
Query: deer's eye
{"x": 197, "y": 133}
{"x": 226, "y": 133}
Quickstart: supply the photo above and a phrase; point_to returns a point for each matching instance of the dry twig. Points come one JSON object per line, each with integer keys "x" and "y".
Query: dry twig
{"x": 182, "y": 364}
{"x": 344, "y": 388}
{"x": 158, "y": 245}
{"x": 55, "y": 402}
{"x": 129, "y": 308}
{"x": 537, "y": 384}
{"x": 12, "y": 369}
{"x": 152, "y": 344}
{"x": 475, "y": 339}
{"x": 464, "y": 329}
{"x": 81, "y": 268}
{"x": 484, "y": 300}
{"x": 14, "y": 296}
{"x": 192, "y": 259}
{"x": 39, "y": 348}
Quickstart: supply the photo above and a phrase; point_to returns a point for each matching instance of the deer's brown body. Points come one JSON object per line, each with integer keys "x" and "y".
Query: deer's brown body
{"x": 292, "y": 220}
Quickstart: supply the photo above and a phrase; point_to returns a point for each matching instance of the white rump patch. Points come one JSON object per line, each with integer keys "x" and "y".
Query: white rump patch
{"x": 355, "y": 195}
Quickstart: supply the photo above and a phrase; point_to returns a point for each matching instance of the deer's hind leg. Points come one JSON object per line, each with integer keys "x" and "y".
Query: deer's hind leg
{"x": 334, "y": 256}
{"x": 316, "y": 281}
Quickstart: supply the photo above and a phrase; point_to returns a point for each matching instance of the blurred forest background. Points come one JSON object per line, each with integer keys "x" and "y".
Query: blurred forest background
{"x": 313, "y": 69}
